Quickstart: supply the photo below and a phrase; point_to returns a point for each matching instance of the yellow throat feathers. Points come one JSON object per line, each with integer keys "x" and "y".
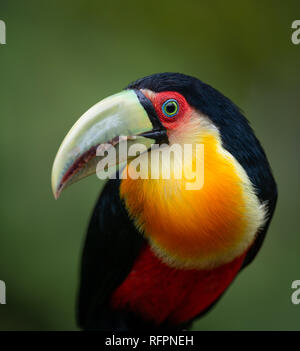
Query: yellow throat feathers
{"x": 202, "y": 228}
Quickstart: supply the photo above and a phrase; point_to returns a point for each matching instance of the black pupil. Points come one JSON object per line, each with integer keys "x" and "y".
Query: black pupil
{"x": 170, "y": 108}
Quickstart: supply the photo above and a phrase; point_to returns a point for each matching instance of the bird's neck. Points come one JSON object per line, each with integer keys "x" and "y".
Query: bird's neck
{"x": 202, "y": 227}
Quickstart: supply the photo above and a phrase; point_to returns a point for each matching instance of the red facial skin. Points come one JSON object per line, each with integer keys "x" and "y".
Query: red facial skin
{"x": 184, "y": 112}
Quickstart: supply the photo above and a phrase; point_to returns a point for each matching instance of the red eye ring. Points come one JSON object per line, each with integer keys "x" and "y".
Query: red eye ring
{"x": 160, "y": 101}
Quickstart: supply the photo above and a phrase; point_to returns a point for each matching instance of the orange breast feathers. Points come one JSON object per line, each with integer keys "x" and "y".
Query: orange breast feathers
{"x": 199, "y": 228}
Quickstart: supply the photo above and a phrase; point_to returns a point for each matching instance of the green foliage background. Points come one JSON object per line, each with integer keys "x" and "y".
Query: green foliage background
{"x": 63, "y": 56}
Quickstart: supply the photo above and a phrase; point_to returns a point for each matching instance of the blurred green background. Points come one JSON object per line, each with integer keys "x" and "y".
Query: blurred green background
{"x": 62, "y": 57}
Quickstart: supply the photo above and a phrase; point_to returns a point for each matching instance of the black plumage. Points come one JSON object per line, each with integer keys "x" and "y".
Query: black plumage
{"x": 237, "y": 136}
{"x": 113, "y": 243}
{"x": 111, "y": 246}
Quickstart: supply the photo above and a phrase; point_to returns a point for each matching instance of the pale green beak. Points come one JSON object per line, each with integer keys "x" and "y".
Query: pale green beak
{"x": 121, "y": 114}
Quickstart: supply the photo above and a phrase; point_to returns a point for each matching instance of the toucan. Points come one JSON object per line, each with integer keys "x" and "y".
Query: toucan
{"x": 157, "y": 254}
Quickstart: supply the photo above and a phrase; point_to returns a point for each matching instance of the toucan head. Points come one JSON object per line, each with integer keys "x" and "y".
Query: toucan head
{"x": 139, "y": 114}
{"x": 202, "y": 228}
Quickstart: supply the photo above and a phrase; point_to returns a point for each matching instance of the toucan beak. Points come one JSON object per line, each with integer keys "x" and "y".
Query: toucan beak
{"x": 126, "y": 116}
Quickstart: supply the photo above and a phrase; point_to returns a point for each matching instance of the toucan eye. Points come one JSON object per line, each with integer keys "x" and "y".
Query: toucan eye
{"x": 170, "y": 108}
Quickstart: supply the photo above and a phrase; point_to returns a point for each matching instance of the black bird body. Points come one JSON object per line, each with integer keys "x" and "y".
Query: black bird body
{"x": 114, "y": 241}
